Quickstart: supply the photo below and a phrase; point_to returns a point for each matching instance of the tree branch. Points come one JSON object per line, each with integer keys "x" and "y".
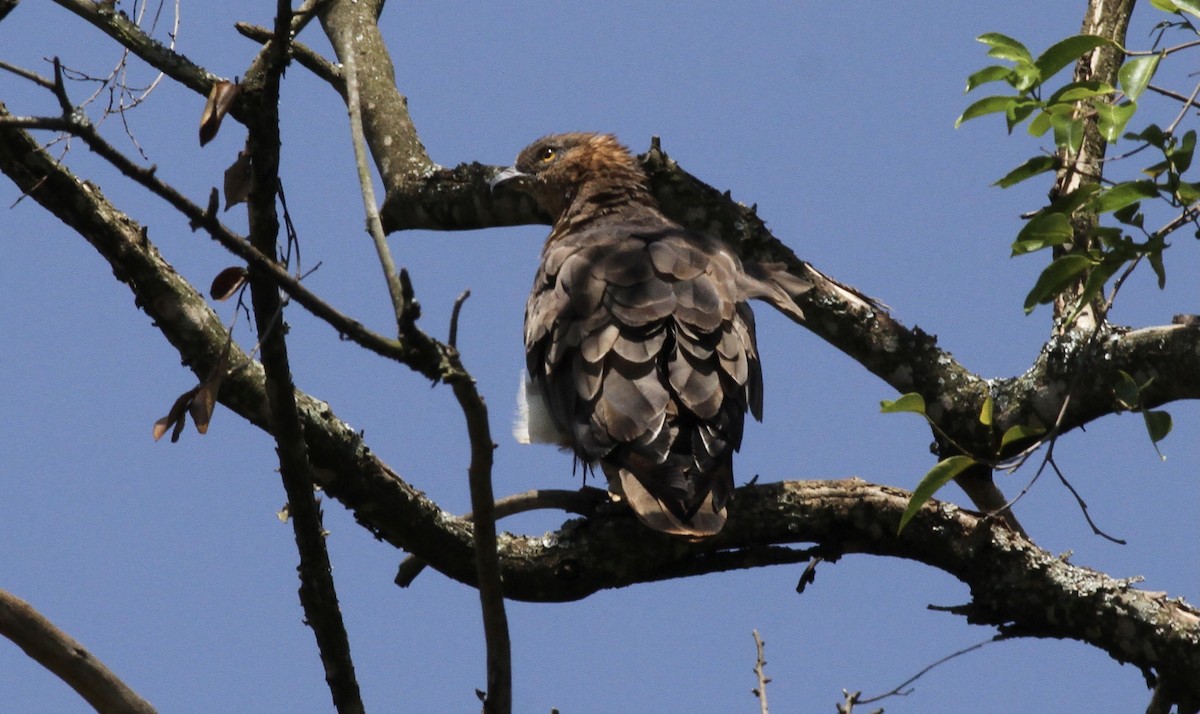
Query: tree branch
{"x": 318, "y": 595}
{"x": 1110, "y": 19}
{"x": 487, "y": 565}
{"x": 67, "y": 659}
{"x": 399, "y": 155}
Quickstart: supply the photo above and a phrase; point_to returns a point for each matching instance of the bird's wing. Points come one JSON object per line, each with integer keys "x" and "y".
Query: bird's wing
{"x": 643, "y": 348}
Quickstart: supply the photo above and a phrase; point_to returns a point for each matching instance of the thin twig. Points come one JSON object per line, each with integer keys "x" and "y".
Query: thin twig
{"x": 1189, "y": 215}
{"x": 1173, "y": 95}
{"x": 318, "y": 594}
{"x": 66, "y": 658}
{"x": 370, "y": 205}
{"x": 487, "y": 564}
{"x": 308, "y": 58}
{"x": 1183, "y": 112}
{"x": 452, "y": 340}
{"x": 581, "y": 502}
{"x": 1083, "y": 505}
{"x": 760, "y": 664}
{"x": 27, "y": 74}
{"x": 418, "y": 352}
{"x": 900, "y": 691}
{"x": 1164, "y": 53}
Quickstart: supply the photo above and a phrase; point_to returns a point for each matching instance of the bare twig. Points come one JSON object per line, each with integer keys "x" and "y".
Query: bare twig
{"x": 581, "y": 502}
{"x": 370, "y": 205}
{"x": 27, "y": 74}
{"x": 760, "y": 664}
{"x": 1173, "y": 95}
{"x": 417, "y": 352}
{"x": 308, "y": 58}
{"x": 1164, "y": 52}
{"x": 67, "y": 659}
{"x": 487, "y": 564}
{"x": 318, "y": 594}
{"x": 901, "y": 690}
{"x": 452, "y": 339}
{"x": 1083, "y": 507}
{"x": 1183, "y": 111}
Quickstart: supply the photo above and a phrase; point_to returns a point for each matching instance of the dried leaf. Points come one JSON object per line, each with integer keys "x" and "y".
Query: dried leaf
{"x": 220, "y": 99}
{"x": 205, "y": 400}
{"x": 201, "y": 408}
{"x": 237, "y": 180}
{"x": 160, "y": 428}
{"x": 228, "y": 282}
{"x": 177, "y": 417}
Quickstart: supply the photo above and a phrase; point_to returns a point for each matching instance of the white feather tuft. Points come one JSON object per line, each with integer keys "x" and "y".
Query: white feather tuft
{"x": 533, "y": 424}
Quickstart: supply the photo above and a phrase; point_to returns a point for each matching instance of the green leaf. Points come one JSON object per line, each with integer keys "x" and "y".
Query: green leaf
{"x": 985, "y": 414}
{"x": 1158, "y": 425}
{"x": 995, "y": 73}
{"x": 1094, "y": 284}
{"x": 1075, "y": 91}
{"x": 1152, "y": 135}
{"x": 1191, "y": 7}
{"x": 1068, "y": 132}
{"x": 1112, "y": 118}
{"x": 1040, "y": 124}
{"x": 1136, "y": 73}
{"x": 1020, "y": 432}
{"x": 938, "y": 476}
{"x": 987, "y": 105}
{"x": 1130, "y": 216}
{"x": 1188, "y": 193}
{"x": 1029, "y": 169}
{"x": 1018, "y": 111}
{"x": 1127, "y": 391}
{"x": 1156, "y": 262}
{"x": 1164, "y": 5}
{"x": 1157, "y": 170}
{"x": 1004, "y": 47}
{"x": 1064, "y": 52}
{"x": 1042, "y": 231}
{"x": 1124, "y": 194}
{"x": 1181, "y": 156}
{"x": 1070, "y": 202}
{"x": 911, "y": 402}
{"x": 1055, "y": 278}
{"x": 1024, "y": 77}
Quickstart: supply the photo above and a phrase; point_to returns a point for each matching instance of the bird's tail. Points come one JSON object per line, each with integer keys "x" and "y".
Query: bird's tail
{"x": 671, "y": 501}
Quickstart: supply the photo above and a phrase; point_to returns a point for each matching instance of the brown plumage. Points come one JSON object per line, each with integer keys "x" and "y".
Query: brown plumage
{"x": 639, "y": 341}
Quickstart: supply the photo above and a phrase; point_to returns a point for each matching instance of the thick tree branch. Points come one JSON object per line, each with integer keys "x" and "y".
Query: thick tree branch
{"x": 1110, "y": 19}
{"x": 399, "y": 155}
{"x": 67, "y": 659}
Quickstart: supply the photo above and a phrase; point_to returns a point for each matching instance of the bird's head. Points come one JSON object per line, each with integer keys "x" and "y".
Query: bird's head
{"x": 557, "y": 170}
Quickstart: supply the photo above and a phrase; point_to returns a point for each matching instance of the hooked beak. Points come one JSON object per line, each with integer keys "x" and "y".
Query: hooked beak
{"x": 510, "y": 177}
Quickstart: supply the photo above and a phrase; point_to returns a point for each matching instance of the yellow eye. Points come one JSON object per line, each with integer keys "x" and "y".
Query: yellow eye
{"x": 547, "y": 154}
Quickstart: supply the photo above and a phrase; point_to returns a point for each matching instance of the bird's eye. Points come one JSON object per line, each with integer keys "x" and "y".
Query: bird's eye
{"x": 547, "y": 154}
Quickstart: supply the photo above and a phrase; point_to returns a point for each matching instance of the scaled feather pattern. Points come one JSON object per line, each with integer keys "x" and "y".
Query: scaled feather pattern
{"x": 639, "y": 339}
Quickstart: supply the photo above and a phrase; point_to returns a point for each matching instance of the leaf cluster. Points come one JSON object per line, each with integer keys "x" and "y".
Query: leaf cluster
{"x": 1096, "y": 230}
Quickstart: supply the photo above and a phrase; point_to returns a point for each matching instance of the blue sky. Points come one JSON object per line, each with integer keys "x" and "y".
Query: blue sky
{"x": 168, "y": 562}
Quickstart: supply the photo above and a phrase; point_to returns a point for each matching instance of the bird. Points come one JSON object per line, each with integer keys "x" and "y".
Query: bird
{"x": 640, "y": 346}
